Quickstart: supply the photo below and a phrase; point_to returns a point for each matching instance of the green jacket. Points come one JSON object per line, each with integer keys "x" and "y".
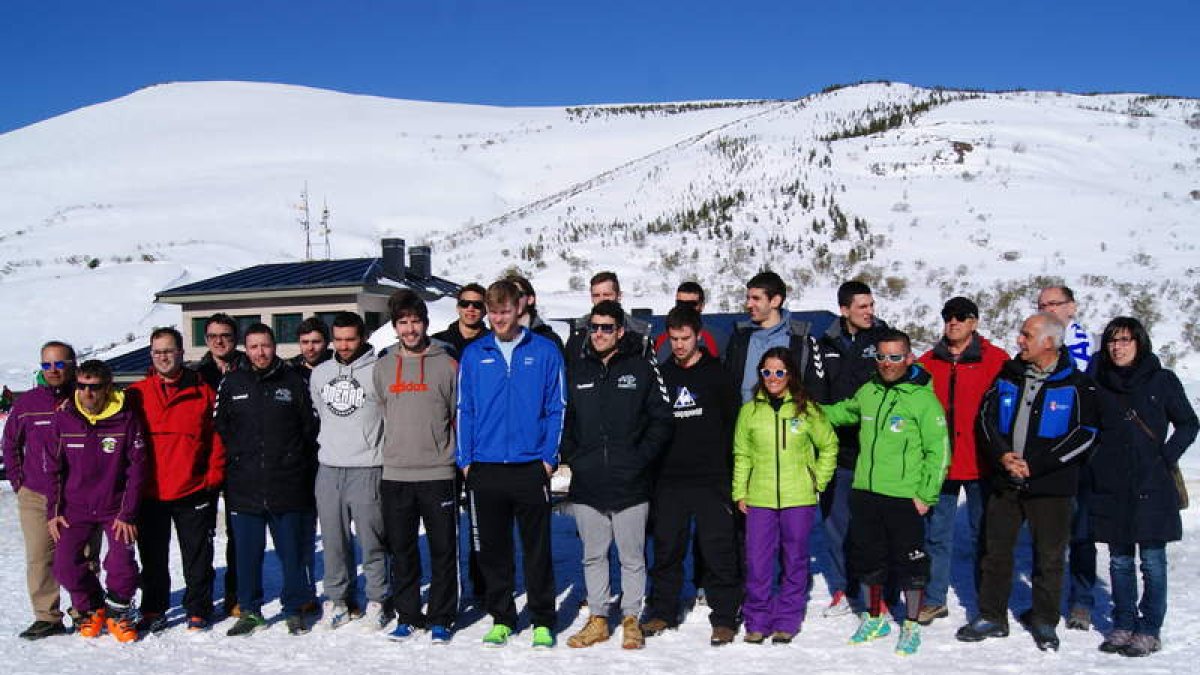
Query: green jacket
{"x": 905, "y": 447}
{"x": 781, "y": 458}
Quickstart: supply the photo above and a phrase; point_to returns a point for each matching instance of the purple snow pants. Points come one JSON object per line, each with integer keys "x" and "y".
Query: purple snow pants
{"x": 777, "y": 536}
{"x": 73, "y": 573}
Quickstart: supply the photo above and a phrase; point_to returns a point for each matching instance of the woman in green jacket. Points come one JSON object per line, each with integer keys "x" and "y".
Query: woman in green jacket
{"x": 784, "y": 452}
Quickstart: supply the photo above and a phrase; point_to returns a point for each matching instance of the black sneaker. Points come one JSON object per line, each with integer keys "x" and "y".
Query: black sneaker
{"x": 296, "y": 625}
{"x": 981, "y": 629}
{"x": 1044, "y": 637}
{"x": 153, "y": 623}
{"x": 43, "y": 629}
{"x": 248, "y": 624}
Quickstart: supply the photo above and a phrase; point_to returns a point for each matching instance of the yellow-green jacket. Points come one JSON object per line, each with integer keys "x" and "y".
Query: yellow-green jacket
{"x": 781, "y": 458}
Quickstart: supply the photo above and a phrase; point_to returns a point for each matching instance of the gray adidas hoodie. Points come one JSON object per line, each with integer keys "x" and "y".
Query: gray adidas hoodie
{"x": 420, "y": 395}
{"x": 351, "y": 412}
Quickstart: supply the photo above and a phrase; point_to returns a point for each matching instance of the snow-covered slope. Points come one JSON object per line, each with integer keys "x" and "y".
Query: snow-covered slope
{"x": 985, "y": 194}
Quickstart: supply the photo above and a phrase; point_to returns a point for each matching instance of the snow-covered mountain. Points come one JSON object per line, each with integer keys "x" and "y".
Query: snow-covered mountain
{"x": 924, "y": 193}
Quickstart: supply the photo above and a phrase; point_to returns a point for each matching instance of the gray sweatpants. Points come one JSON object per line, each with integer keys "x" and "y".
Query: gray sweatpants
{"x": 598, "y": 531}
{"x": 345, "y": 496}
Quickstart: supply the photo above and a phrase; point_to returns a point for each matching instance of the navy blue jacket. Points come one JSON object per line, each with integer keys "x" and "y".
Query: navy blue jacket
{"x": 510, "y": 414}
{"x": 1062, "y": 425}
{"x": 1133, "y": 496}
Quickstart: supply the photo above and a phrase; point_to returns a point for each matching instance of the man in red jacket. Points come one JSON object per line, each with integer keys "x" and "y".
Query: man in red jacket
{"x": 963, "y": 365}
{"x": 187, "y": 465}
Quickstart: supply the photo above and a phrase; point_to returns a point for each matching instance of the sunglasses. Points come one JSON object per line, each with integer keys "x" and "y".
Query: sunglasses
{"x": 778, "y": 374}
{"x": 56, "y": 365}
{"x": 90, "y": 386}
{"x": 473, "y": 304}
{"x": 960, "y": 317}
{"x": 605, "y": 328}
{"x": 894, "y": 358}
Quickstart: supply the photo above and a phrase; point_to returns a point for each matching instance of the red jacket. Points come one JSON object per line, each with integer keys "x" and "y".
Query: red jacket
{"x": 960, "y": 387}
{"x": 185, "y": 454}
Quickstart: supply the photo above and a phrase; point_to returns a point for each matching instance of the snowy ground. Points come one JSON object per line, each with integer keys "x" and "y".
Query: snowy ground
{"x": 821, "y": 645}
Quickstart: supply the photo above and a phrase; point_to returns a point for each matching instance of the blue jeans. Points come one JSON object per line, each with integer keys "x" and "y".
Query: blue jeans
{"x": 290, "y": 531}
{"x": 1153, "y": 606}
{"x": 835, "y": 514}
{"x": 939, "y": 535}
{"x": 1081, "y": 558}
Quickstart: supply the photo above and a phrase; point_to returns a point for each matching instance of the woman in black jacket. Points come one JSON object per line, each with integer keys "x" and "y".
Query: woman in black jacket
{"x": 1134, "y": 503}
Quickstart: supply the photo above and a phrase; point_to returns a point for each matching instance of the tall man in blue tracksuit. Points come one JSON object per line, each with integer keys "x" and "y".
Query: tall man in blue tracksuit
{"x": 510, "y": 419}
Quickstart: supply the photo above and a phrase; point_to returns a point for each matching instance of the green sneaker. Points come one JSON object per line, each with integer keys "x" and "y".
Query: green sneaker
{"x": 497, "y": 636}
{"x": 542, "y": 638}
{"x": 910, "y": 639}
{"x": 248, "y": 624}
{"x": 871, "y": 628}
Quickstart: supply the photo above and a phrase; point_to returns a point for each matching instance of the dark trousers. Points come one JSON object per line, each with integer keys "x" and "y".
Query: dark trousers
{"x": 289, "y": 532}
{"x": 405, "y": 506}
{"x": 231, "y": 585}
{"x": 674, "y": 509}
{"x": 887, "y": 541}
{"x": 1081, "y": 558}
{"x": 501, "y": 495}
{"x": 1050, "y": 524}
{"x": 194, "y": 517}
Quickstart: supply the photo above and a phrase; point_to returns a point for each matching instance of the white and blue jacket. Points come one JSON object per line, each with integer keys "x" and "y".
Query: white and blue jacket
{"x": 510, "y": 413}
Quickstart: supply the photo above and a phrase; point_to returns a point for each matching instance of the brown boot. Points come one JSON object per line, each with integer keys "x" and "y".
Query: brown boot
{"x": 594, "y": 631}
{"x": 655, "y": 627}
{"x": 631, "y": 634}
{"x": 721, "y": 636}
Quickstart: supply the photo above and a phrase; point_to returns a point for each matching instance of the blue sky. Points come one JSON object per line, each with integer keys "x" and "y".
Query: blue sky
{"x": 58, "y": 55}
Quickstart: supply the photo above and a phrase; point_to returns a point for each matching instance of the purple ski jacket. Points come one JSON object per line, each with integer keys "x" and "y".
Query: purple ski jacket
{"x": 29, "y": 438}
{"x": 97, "y": 470}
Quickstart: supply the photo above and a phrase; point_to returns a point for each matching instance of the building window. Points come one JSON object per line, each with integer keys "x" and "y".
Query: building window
{"x": 327, "y": 319}
{"x": 373, "y": 320}
{"x": 245, "y": 321}
{"x": 285, "y": 327}
{"x": 198, "y": 331}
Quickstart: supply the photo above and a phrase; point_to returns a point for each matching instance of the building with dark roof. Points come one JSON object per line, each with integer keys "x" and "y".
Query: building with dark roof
{"x": 281, "y": 295}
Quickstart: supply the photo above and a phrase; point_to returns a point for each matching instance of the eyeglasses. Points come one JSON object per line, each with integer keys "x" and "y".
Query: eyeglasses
{"x": 959, "y": 317}
{"x": 56, "y": 365}
{"x": 218, "y": 336}
{"x": 893, "y": 358}
{"x": 1051, "y": 303}
{"x": 605, "y": 328}
{"x": 473, "y": 304}
{"x": 778, "y": 374}
{"x": 1121, "y": 341}
{"x": 90, "y": 386}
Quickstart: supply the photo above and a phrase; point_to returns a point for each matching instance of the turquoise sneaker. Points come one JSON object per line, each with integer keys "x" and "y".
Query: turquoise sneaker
{"x": 910, "y": 639}
{"x": 497, "y": 636}
{"x": 542, "y": 638}
{"x": 871, "y": 628}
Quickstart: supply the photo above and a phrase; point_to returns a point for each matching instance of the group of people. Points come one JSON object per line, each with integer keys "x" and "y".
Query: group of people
{"x": 735, "y": 446}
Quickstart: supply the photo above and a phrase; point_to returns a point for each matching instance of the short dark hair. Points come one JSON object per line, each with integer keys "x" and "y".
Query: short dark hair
{"x": 405, "y": 302}
{"x": 893, "y": 335}
{"x": 682, "y": 316}
{"x": 769, "y": 282}
{"x": 313, "y": 324}
{"x": 96, "y": 368}
{"x": 471, "y": 288}
{"x": 223, "y": 319}
{"x": 601, "y": 277}
{"x": 350, "y": 320}
{"x": 168, "y": 331}
{"x": 1067, "y": 293}
{"x": 502, "y": 292}
{"x": 259, "y": 329}
{"x": 610, "y": 308}
{"x": 847, "y": 291}
{"x": 693, "y": 288}
{"x": 1136, "y": 331}
{"x": 526, "y": 287}
{"x": 61, "y": 345}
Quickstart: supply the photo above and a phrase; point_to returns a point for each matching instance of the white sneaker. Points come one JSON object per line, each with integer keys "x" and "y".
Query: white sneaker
{"x": 334, "y": 615}
{"x": 839, "y": 605}
{"x": 375, "y": 618}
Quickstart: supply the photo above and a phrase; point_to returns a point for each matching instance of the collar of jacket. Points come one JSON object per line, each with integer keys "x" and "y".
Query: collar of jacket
{"x": 116, "y": 401}
{"x": 1015, "y": 368}
{"x": 491, "y": 345}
